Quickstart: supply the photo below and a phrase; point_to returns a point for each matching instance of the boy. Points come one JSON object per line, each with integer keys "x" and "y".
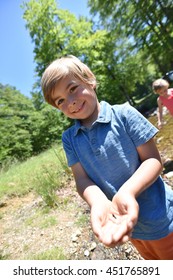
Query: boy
{"x": 161, "y": 87}
{"x": 115, "y": 162}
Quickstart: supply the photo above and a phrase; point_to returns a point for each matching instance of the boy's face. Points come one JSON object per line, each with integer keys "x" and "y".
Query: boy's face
{"x": 76, "y": 100}
{"x": 162, "y": 91}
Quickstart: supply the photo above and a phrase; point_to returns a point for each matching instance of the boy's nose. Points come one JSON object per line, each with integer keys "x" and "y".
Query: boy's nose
{"x": 72, "y": 102}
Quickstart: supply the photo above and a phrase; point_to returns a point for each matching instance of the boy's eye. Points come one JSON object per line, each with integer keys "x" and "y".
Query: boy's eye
{"x": 59, "y": 102}
{"x": 72, "y": 89}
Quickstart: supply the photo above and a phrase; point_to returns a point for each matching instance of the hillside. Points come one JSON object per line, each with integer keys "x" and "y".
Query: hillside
{"x": 31, "y": 230}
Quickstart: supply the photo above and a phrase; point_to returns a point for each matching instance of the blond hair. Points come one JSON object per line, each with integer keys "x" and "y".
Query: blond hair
{"x": 61, "y": 68}
{"x": 158, "y": 84}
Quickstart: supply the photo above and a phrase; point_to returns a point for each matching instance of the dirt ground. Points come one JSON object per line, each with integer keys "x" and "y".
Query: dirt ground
{"x": 28, "y": 229}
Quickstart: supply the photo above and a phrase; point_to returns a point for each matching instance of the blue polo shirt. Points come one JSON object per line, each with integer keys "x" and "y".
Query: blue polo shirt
{"x": 107, "y": 152}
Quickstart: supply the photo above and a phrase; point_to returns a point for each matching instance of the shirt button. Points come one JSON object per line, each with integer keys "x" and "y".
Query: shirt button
{"x": 97, "y": 153}
{"x": 93, "y": 141}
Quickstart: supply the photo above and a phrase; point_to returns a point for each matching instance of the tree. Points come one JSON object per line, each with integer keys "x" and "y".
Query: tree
{"x": 46, "y": 128}
{"x": 57, "y": 32}
{"x": 15, "y": 139}
{"x": 26, "y": 131}
{"x": 54, "y": 32}
{"x": 148, "y": 24}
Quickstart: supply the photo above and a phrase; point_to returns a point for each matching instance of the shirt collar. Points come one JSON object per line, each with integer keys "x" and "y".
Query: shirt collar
{"x": 103, "y": 117}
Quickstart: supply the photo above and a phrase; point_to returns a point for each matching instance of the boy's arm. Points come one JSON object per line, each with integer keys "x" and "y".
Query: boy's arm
{"x": 85, "y": 186}
{"x": 125, "y": 199}
{"x": 159, "y": 113}
{"x": 148, "y": 171}
{"x": 101, "y": 207}
{"x": 144, "y": 176}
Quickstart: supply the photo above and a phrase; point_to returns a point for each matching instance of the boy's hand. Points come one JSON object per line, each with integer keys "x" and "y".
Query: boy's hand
{"x": 113, "y": 222}
{"x": 128, "y": 210}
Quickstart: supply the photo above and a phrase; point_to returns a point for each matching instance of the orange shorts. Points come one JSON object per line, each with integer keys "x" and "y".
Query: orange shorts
{"x": 161, "y": 249}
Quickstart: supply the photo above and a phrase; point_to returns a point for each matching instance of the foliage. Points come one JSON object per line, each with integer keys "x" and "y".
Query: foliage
{"x": 46, "y": 186}
{"x": 54, "y": 32}
{"x": 24, "y": 130}
{"x": 15, "y": 139}
{"x": 147, "y": 24}
{"x": 49, "y": 181}
{"x": 46, "y": 127}
{"x": 57, "y": 32}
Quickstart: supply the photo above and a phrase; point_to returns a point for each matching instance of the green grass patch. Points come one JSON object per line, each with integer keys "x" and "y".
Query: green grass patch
{"x": 52, "y": 254}
{"x": 38, "y": 220}
{"x": 48, "y": 222}
{"x": 3, "y": 257}
{"x": 23, "y": 177}
{"x": 82, "y": 220}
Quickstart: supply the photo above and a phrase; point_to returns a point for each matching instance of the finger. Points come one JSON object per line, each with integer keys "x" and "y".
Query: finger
{"x": 124, "y": 239}
{"x": 133, "y": 210}
{"x": 97, "y": 229}
{"x": 122, "y": 231}
{"x": 96, "y": 224}
{"x": 108, "y": 231}
{"x": 112, "y": 234}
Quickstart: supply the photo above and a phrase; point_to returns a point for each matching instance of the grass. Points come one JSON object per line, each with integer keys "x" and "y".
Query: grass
{"x": 41, "y": 219}
{"x": 82, "y": 220}
{"x": 43, "y": 174}
{"x": 3, "y": 257}
{"x": 52, "y": 254}
{"x": 23, "y": 177}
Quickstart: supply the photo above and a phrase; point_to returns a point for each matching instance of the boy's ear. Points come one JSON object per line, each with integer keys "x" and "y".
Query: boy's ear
{"x": 94, "y": 84}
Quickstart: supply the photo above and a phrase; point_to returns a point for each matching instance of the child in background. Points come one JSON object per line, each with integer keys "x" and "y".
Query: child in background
{"x": 161, "y": 87}
{"x": 115, "y": 162}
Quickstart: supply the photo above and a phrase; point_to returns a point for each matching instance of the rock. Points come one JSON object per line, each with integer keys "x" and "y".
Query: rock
{"x": 3, "y": 204}
{"x": 74, "y": 238}
{"x": 86, "y": 253}
{"x": 92, "y": 246}
{"x": 159, "y": 139}
{"x": 128, "y": 250}
{"x": 78, "y": 232}
{"x": 169, "y": 175}
{"x": 76, "y": 235}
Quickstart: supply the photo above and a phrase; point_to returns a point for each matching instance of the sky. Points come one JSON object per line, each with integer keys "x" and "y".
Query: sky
{"x": 16, "y": 49}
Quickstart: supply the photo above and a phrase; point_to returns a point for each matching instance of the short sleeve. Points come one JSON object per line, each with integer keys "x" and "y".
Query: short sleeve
{"x": 137, "y": 126}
